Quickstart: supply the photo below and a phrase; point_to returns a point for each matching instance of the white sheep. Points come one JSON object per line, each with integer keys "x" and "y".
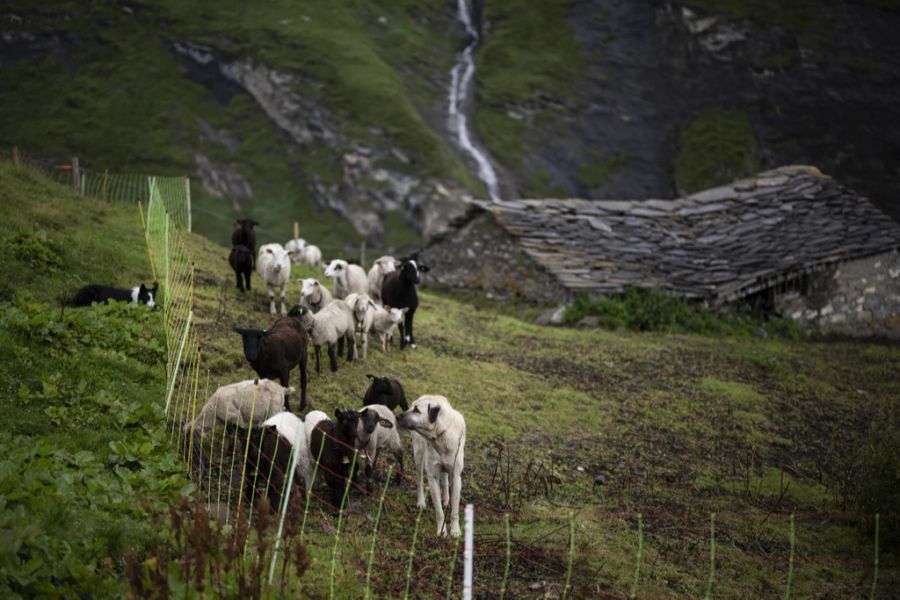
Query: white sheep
{"x": 291, "y": 428}
{"x": 243, "y": 404}
{"x": 384, "y": 320}
{"x": 295, "y": 249}
{"x": 383, "y": 438}
{"x": 363, "y": 314}
{"x": 312, "y": 255}
{"x": 313, "y": 294}
{"x": 274, "y": 267}
{"x": 347, "y": 278}
{"x": 333, "y": 325}
{"x": 380, "y": 268}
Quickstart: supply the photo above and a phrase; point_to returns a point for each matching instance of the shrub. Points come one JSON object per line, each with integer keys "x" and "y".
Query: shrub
{"x": 641, "y": 309}
{"x": 34, "y": 249}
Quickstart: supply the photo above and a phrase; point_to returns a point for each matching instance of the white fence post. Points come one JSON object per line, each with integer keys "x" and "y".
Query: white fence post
{"x": 467, "y": 553}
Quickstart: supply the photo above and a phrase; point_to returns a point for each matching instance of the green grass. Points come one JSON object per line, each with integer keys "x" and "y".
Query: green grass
{"x": 510, "y": 72}
{"x": 717, "y": 147}
{"x": 596, "y": 173}
{"x": 679, "y": 424}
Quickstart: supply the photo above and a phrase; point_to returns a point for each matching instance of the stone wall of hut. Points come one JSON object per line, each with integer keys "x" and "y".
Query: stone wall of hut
{"x": 481, "y": 255}
{"x": 859, "y": 297}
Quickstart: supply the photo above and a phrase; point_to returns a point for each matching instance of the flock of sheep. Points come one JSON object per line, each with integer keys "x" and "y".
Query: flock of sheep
{"x": 360, "y": 304}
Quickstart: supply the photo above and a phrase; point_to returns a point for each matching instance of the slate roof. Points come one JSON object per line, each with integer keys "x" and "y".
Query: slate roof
{"x": 718, "y": 245}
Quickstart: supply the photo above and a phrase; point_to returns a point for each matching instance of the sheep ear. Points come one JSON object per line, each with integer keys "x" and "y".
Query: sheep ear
{"x": 404, "y": 310}
{"x": 370, "y": 376}
{"x": 433, "y": 412}
{"x": 266, "y": 332}
{"x": 387, "y": 307}
{"x": 337, "y": 413}
{"x": 424, "y": 268}
{"x": 239, "y": 330}
{"x": 372, "y": 303}
{"x": 385, "y": 423}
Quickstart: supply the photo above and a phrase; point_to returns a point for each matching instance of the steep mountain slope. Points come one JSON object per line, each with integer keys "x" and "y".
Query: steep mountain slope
{"x": 335, "y": 114}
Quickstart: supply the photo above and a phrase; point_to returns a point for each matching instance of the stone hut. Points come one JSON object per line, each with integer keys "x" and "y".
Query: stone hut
{"x": 791, "y": 241}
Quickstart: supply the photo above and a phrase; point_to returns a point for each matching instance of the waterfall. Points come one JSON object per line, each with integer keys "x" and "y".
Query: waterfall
{"x": 460, "y": 82}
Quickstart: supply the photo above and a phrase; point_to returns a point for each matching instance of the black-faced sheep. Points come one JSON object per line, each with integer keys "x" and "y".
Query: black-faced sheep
{"x": 333, "y": 325}
{"x": 274, "y": 267}
{"x": 399, "y": 291}
{"x": 241, "y": 261}
{"x": 275, "y": 351}
{"x": 348, "y": 278}
{"x": 245, "y": 235}
{"x": 386, "y": 391}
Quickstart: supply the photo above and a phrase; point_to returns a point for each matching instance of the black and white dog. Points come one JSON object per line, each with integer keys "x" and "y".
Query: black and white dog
{"x": 101, "y": 293}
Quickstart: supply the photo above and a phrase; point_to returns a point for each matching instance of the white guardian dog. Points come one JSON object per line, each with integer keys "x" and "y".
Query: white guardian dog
{"x": 439, "y": 443}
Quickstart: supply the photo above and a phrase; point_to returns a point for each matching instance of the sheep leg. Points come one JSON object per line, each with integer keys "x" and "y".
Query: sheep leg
{"x": 332, "y": 358}
{"x": 445, "y": 489}
{"x": 340, "y": 346}
{"x": 247, "y": 279}
{"x": 351, "y": 347}
{"x": 410, "y": 340}
{"x": 364, "y": 343}
{"x": 285, "y": 378}
{"x": 318, "y": 348}
{"x": 271, "y": 300}
{"x": 303, "y": 382}
{"x": 283, "y": 307}
{"x": 240, "y": 282}
{"x": 402, "y": 335}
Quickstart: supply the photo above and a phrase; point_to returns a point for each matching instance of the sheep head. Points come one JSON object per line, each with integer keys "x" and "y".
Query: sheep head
{"x": 252, "y": 339}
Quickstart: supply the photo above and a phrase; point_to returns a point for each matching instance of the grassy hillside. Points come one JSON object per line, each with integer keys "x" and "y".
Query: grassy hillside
{"x": 106, "y": 81}
{"x": 678, "y": 426}
{"x": 84, "y": 458}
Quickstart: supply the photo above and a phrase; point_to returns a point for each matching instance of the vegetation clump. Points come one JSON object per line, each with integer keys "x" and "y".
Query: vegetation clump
{"x": 650, "y": 309}
{"x": 718, "y": 147}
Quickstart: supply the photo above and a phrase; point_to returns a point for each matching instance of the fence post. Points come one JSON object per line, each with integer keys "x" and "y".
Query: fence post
{"x": 16, "y": 155}
{"x": 296, "y": 230}
{"x": 187, "y": 195}
{"x": 467, "y": 553}
{"x": 362, "y": 254}
{"x": 76, "y": 175}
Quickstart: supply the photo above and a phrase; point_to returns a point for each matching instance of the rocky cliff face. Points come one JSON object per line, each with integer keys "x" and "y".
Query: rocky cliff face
{"x": 675, "y": 96}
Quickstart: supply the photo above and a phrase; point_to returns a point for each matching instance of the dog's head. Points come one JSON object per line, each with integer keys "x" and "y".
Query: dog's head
{"x": 147, "y": 295}
{"x": 421, "y": 417}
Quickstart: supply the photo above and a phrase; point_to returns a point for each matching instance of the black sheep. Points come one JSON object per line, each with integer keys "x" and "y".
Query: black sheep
{"x": 399, "y": 291}
{"x": 268, "y": 465}
{"x": 244, "y": 235}
{"x": 385, "y": 390}
{"x": 273, "y": 352}
{"x": 335, "y": 458}
{"x": 241, "y": 260}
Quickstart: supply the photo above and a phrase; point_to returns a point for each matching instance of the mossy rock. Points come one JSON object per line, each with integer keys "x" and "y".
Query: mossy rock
{"x": 718, "y": 147}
